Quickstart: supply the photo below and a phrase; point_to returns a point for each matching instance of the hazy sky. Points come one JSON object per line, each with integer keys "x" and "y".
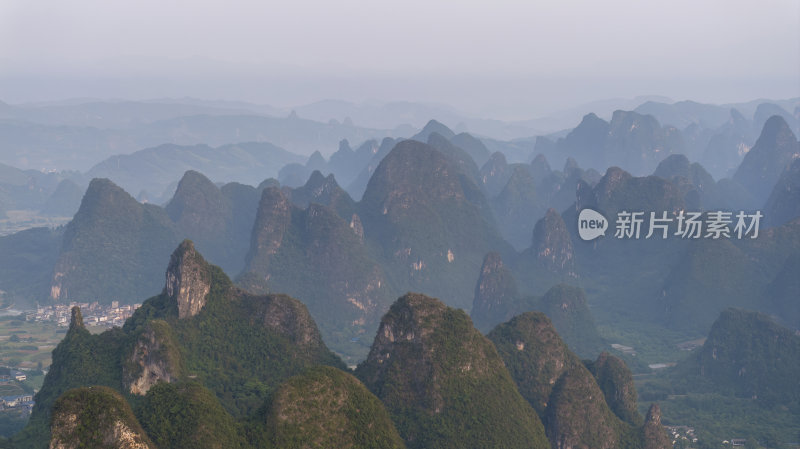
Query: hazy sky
{"x": 505, "y": 58}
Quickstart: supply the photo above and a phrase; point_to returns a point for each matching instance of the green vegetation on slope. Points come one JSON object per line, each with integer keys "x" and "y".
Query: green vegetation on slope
{"x": 742, "y": 383}
{"x": 96, "y": 418}
{"x": 561, "y": 389}
{"x": 443, "y": 382}
{"x": 187, "y": 415}
{"x": 325, "y": 408}
{"x": 239, "y": 347}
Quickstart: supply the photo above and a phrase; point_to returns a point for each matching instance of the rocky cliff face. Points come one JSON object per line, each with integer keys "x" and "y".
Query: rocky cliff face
{"x": 155, "y": 358}
{"x": 762, "y": 166}
{"x": 552, "y": 245}
{"x": 494, "y": 294}
{"x": 616, "y": 382}
{"x": 357, "y": 226}
{"x": 76, "y": 319}
{"x": 654, "y": 435}
{"x": 272, "y": 221}
{"x": 438, "y": 377}
{"x": 188, "y": 280}
{"x": 102, "y": 410}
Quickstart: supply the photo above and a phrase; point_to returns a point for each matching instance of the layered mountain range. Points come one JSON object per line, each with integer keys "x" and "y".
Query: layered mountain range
{"x": 441, "y": 213}
{"x": 205, "y": 364}
{"x": 426, "y": 222}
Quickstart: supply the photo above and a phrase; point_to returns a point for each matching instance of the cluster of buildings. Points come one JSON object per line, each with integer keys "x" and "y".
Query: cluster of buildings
{"x": 94, "y": 314}
{"x": 22, "y": 402}
{"x": 19, "y": 402}
{"x": 19, "y": 376}
{"x": 681, "y": 433}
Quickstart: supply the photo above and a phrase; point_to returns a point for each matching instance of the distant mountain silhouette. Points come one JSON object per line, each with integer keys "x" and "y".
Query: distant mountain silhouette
{"x": 774, "y": 150}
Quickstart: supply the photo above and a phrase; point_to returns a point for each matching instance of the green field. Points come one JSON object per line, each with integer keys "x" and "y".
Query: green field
{"x": 27, "y": 345}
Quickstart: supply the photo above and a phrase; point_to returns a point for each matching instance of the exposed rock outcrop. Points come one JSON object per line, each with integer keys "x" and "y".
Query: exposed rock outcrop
{"x": 357, "y": 227}
{"x": 76, "y": 319}
{"x": 552, "y": 244}
{"x": 155, "y": 358}
{"x": 654, "y": 434}
{"x": 272, "y": 222}
{"x": 102, "y": 410}
{"x": 188, "y": 280}
{"x": 494, "y": 294}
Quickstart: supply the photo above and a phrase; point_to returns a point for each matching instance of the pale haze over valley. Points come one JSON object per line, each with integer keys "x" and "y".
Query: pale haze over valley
{"x": 508, "y": 60}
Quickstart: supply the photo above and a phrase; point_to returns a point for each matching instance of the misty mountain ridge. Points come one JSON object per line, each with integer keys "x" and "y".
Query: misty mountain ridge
{"x": 703, "y": 143}
{"x": 79, "y": 147}
{"x": 153, "y": 170}
{"x": 167, "y": 378}
{"x": 431, "y": 220}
